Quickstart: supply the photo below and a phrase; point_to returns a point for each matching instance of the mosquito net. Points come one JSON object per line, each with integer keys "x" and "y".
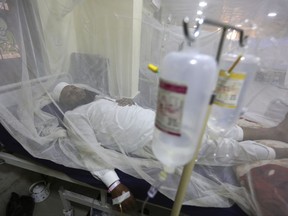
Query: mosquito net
{"x": 104, "y": 47}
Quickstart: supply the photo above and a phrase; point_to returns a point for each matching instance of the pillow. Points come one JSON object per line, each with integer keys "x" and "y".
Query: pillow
{"x": 52, "y": 109}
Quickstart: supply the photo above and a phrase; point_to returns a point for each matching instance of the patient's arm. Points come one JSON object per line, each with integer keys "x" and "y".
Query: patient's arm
{"x": 129, "y": 203}
{"x": 109, "y": 177}
{"x": 261, "y": 134}
{"x": 121, "y": 102}
{"x": 281, "y": 153}
{"x": 82, "y": 135}
{"x": 278, "y": 133}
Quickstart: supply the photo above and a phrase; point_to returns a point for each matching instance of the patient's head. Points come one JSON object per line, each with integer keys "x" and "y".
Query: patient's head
{"x": 70, "y": 96}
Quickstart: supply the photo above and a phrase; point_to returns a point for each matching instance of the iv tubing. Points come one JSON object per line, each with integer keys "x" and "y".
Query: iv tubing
{"x": 188, "y": 168}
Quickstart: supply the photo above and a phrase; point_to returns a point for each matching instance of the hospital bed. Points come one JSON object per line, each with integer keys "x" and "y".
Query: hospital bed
{"x": 13, "y": 153}
{"x": 16, "y": 155}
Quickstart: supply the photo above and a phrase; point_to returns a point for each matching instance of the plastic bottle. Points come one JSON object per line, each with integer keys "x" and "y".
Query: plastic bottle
{"x": 187, "y": 80}
{"x": 231, "y": 91}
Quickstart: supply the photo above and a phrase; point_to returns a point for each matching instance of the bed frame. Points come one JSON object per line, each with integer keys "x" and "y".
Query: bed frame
{"x": 17, "y": 156}
{"x": 67, "y": 196}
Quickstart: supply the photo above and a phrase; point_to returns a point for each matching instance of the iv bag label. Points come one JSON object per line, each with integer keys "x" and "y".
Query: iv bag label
{"x": 171, "y": 97}
{"x": 228, "y": 89}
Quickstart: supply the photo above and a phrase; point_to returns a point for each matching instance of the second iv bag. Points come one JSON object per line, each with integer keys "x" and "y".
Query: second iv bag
{"x": 235, "y": 76}
{"x": 187, "y": 80}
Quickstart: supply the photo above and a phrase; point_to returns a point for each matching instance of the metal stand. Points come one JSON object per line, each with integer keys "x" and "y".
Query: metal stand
{"x": 187, "y": 171}
{"x": 223, "y": 26}
{"x": 102, "y": 204}
{"x": 68, "y": 196}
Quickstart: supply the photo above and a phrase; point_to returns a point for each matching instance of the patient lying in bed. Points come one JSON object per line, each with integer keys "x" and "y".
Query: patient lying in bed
{"x": 123, "y": 126}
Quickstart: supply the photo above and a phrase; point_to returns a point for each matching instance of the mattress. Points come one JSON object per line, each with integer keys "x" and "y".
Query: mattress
{"x": 138, "y": 187}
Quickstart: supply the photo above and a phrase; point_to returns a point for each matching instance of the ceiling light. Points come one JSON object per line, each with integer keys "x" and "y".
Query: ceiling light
{"x": 193, "y": 61}
{"x": 272, "y": 14}
{"x": 199, "y": 12}
{"x": 239, "y": 25}
{"x": 202, "y": 4}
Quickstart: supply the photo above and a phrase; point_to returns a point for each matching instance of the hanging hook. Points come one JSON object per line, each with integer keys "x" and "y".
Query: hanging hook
{"x": 196, "y": 31}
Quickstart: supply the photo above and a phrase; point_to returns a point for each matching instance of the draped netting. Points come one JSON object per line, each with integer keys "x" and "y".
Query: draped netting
{"x": 105, "y": 46}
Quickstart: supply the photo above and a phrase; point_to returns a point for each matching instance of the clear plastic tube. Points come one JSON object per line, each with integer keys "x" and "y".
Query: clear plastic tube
{"x": 163, "y": 176}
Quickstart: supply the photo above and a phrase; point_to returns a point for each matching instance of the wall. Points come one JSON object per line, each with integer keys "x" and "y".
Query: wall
{"x": 111, "y": 28}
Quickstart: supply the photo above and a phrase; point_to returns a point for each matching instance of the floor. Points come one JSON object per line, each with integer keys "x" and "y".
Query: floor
{"x": 13, "y": 179}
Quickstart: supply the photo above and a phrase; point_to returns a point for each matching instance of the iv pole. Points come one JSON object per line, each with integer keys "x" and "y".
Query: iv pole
{"x": 188, "y": 168}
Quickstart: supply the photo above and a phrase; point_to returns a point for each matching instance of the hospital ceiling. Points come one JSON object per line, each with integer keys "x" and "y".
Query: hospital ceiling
{"x": 269, "y": 16}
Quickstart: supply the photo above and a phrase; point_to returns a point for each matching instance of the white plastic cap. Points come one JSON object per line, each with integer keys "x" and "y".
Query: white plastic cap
{"x": 57, "y": 90}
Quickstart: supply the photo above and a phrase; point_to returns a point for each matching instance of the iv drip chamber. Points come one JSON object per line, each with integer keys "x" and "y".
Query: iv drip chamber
{"x": 187, "y": 80}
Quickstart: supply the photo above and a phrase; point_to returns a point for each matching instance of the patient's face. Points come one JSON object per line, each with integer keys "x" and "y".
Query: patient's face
{"x": 72, "y": 96}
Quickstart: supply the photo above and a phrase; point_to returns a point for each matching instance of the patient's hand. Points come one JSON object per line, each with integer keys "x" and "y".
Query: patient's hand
{"x": 125, "y": 102}
{"x": 128, "y": 204}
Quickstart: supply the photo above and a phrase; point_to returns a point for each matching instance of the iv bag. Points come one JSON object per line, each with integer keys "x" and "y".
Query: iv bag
{"x": 187, "y": 79}
{"x": 232, "y": 86}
